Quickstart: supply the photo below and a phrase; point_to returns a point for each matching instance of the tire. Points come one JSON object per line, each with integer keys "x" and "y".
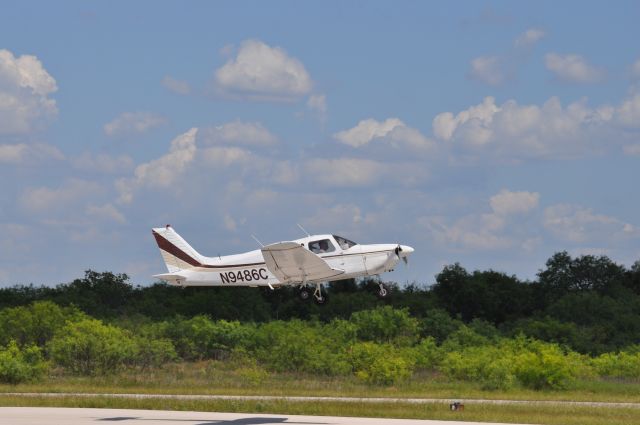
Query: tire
{"x": 304, "y": 294}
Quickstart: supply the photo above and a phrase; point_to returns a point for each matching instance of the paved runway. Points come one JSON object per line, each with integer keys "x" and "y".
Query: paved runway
{"x": 72, "y": 416}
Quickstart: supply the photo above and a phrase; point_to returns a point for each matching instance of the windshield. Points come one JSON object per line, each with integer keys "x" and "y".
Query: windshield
{"x": 344, "y": 243}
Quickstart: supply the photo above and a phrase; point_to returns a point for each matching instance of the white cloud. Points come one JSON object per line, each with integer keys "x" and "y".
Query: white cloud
{"x": 488, "y": 69}
{"x": 391, "y": 131}
{"x": 488, "y": 231}
{"x": 44, "y": 199}
{"x": 628, "y": 113}
{"x": 517, "y": 131}
{"x": 573, "y": 68}
{"x": 479, "y": 116}
{"x": 260, "y": 71}
{"x": 529, "y": 37}
{"x": 224, "y": 156}
{"x": 131, "y": 123}
{"x": 318, "y": 103}
{"x": 507, "y": 202}
{"x": 578, "y": 224}
{"x": 176, "y": 86}
{"x": 103, "y": 163}
{"x": 22, "y": 153}
{"x": 230, "y": 223}
{"x": 163, "y": 171}
{"x": 635, "y": 69}
{"x": 238, "y": 132}
{"x": 24, "y": 89}
{"x": 632, "y": 149}
{"x": 106, "y": 212}
{"x": 344, "y": 172}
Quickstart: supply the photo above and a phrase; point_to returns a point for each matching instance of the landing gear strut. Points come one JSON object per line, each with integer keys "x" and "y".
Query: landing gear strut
{"x": 319, "y": 296}
{"x": 383, "y": 291}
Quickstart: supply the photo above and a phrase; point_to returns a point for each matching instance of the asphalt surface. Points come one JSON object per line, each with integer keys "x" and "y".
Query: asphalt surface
{"x": 73, "y": 416}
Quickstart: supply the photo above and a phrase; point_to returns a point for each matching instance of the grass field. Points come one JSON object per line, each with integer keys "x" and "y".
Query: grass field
{"x": 217, "y": 378}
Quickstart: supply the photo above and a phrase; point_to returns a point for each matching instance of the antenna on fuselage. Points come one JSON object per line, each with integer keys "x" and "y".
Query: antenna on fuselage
{"x": 303, "y": 229}
{"x": 257, "y": 240}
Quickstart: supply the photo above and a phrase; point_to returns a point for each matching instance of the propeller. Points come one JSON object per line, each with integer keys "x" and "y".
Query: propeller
{"x": 398, "y": 250}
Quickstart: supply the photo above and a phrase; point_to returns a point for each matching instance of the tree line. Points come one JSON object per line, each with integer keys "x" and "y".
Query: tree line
{"x": 587, "y": 303}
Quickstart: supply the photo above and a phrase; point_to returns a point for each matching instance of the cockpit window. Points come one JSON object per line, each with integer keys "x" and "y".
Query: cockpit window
{"x": 344, "y": 243}
{"x": 321, "y": 246}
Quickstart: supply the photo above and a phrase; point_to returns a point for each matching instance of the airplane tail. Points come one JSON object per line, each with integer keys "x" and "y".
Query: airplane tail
{"x": 176, "y": 252}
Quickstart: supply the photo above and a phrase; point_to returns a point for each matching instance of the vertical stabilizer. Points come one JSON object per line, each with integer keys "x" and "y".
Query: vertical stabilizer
{"x": 176, "y": 252}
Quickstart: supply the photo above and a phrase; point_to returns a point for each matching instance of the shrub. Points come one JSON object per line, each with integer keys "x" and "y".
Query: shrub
{"x": 427, "y": 354}
{"x": 541, "y": 365}
{"x": 618, "y": 365}
{"x": 154, "y": 352}
{"x": 89, "y": 347}
{"x": 386, "y": 324}
{"x": 202, "y": 338}
{"x": 18, "y": 365}
{"x": 380, "y": 364}
{"x": 299, "y": 346}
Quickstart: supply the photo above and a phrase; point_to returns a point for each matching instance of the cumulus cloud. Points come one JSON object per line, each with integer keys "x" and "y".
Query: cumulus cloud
{"x": 635, "y": 69}
{"x": 578, "y": 224}
{"x": 628, "y": 113}
{"x": 103, "y": 163}
{"x": 131, "y": 123}
{"x": 161, "y": 172}
{"x": 25, "y": 87}
{"x": 44, "y": 199}
{"x": 176, "y": 86}
{"x": 529, "y": 37}
{"x": 573, "y": 68}
{"x": 22, "y": 153}
{"x": 487, "y": 230}
{"x": 106, "y": 212}
{"x": 260, "y": 71}
{"x": 518, "y": 131}
{"x": 391, "y": 131}
{"x": 507, "y": 202}
{"x": 488, "y": 69}
{"x": 239, "y": 132}
{"x": 317, "y": 103}
{"x": 495, "y": 70}
{"x": 344, "y": 172}
{"x": 632, "y": 149}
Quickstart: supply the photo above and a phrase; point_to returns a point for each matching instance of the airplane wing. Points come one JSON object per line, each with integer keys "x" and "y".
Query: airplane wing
{"x": 290, "y": 262}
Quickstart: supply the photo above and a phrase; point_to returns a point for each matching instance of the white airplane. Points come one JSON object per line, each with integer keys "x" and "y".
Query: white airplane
{"x": 304, "y": 262}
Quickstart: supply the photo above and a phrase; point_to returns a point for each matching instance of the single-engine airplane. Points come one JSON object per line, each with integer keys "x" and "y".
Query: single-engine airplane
{"x": 304, "y": 263}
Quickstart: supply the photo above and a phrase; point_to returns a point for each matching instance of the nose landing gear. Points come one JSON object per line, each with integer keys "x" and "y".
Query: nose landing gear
{"x": 383, "y": 291}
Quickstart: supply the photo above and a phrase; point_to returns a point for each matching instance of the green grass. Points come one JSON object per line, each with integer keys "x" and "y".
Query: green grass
{"x": 529, "y": 414}
{"x": 218, "y": 378}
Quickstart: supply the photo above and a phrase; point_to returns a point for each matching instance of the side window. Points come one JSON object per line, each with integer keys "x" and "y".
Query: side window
{"x": 321, "y": 246}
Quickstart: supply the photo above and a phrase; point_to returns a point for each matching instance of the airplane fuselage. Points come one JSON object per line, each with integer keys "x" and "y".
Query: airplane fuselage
{"x": 249, "y": 269}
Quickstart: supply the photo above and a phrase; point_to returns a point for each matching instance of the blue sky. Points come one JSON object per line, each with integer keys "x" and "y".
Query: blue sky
{"x": 487, "y": 133}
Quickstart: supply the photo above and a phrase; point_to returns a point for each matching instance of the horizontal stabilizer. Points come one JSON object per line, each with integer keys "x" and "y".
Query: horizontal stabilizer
{"x": 291, "y": 262}
{"x": 174, "y": 278}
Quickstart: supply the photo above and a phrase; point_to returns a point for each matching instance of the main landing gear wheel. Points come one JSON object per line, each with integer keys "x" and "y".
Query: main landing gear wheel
{"x": 319, "y": 296}
{"x": 384, "y": 291}
{"x": 304, "y": 293}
